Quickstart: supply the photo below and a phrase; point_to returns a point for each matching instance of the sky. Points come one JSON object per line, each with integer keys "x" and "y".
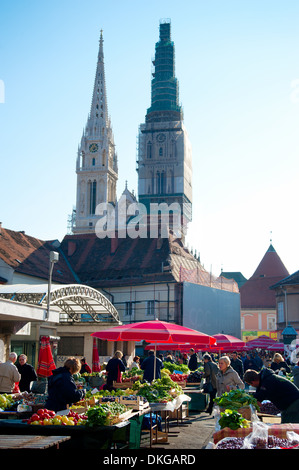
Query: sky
{"x": 237, "y": 65}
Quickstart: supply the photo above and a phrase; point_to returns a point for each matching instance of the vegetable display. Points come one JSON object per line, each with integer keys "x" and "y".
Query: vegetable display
{"x": 105, "y": 414}
{"x": 179, "y": 367}
{"x": 236, "y": 399}
{"x": 233, "y": 420}
{"x": 159, "y": 391}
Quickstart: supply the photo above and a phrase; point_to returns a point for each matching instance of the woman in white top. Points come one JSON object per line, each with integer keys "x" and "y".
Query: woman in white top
{"x": 135, "y": 363}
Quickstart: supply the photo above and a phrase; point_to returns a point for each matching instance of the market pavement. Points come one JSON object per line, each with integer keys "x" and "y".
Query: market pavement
{"x": 195, "y": 432}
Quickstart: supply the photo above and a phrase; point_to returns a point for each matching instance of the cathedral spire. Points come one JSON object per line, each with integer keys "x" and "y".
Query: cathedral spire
{"x": 98, "y": 116}
{"x": 96, "y": 168}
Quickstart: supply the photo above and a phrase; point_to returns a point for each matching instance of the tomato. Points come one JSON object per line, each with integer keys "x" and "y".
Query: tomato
{"x": 35, "y": 417}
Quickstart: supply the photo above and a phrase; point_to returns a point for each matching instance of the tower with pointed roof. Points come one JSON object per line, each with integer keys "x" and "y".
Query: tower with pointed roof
{"x": 258, "y": 302}
{"x": 164, "y": 161}
{"x": 96, "y": 167}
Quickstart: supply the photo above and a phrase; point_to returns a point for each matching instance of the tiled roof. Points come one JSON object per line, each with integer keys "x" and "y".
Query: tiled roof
{"x": 256, "y": 292}
{"x": 29, "y": 255}
{"x": 105, "y": 262}
{"x": 291, "y": 280}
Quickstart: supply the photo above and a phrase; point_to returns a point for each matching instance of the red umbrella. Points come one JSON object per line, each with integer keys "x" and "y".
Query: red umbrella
{"x": 181, "y": 347}
{"x": 155, "y": 331}
{"x": 45, "y": 359}
{"x": 228, "y": 342}
{"x": 95, "y": 357}
{"x": 262, "y": 342}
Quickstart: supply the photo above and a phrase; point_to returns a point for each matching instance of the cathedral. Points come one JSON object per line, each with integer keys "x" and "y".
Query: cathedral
{"x": 164, "y": 162}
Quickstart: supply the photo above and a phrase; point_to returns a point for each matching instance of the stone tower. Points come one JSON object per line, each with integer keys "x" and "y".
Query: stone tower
{"x": 164, "y": 161}
{"x": 96, "y": 167}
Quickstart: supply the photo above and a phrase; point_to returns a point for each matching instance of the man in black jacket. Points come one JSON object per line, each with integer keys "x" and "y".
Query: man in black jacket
{"x": 237, "y": 364}
{"x": 192, "y": 364}
{"x": 279, "y": 390}
{"x": 148, "y": 366}
{"x": 27, "y": 372}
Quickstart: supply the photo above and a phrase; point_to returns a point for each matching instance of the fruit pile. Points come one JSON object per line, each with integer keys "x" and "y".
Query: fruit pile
{"x": 178, "y": 377}
{"x": 47, "y": 417}
{"x": 272, "y": 442}
{"x": 195, "y": 377}
{"x": 6, "y": 401}
{"x": 269, "y": 408}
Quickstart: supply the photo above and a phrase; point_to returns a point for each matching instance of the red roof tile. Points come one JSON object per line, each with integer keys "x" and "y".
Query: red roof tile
{"x": 256, "y": 292}
{"x": 30, "y": 256}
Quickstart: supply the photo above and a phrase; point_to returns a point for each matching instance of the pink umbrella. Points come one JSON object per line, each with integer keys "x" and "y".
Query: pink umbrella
{"x": 228, "y": 342}
{"x": 262, "y": 342}
{"x": 95, "y": 357}
{"x": 155, "y": 331}
{"x": 181, "y": 347}
{"x": 45, "y": 359}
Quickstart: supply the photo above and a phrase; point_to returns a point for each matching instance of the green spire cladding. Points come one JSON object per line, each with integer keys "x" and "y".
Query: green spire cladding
{"x": 165, "y": 89}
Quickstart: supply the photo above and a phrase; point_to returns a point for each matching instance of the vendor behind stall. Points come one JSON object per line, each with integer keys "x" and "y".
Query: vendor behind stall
{"x": 277, "y": 389}
{"x": 62, "y": 389}
{"x": 27, "y": 372}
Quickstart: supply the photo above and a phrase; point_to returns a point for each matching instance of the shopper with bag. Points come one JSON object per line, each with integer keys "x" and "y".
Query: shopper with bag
{"x": 210, "y": 371}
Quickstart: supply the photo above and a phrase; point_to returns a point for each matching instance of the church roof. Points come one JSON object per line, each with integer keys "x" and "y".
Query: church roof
{"x": 109, "y": 261}
{"x": 256, "y": 292}
{"x": 30, "y": 256}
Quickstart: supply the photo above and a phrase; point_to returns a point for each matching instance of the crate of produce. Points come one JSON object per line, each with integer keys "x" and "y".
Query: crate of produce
{"x": 134, "y": 401}
{"x": 110, "y": 398}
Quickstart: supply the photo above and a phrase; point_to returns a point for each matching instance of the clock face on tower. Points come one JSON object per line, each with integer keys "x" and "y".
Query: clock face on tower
{"x": 161, "y": 137}
{"x": 93, "y": 148}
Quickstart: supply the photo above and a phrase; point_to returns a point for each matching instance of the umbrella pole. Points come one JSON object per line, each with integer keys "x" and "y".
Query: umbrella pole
{"x": 155, "y": 360}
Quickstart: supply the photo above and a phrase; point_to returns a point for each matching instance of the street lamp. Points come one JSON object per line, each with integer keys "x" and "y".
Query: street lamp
{"x": 54, "y": 258}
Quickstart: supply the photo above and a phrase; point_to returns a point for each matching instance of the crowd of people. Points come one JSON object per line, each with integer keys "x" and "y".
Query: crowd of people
{"x": 266, "y": 373}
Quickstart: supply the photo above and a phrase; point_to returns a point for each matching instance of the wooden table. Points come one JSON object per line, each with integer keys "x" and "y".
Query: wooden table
{"x": 21, "y": 441}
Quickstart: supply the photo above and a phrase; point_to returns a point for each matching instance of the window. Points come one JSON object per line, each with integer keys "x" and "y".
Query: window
{"x": 280, "y": 312}
{"x": 129, "y": 309}
{"x": 149, "y": 150}
{"x": 271, "y": 323}
{"x": 92, "y": 191}
{"x": 150, "y": 310}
